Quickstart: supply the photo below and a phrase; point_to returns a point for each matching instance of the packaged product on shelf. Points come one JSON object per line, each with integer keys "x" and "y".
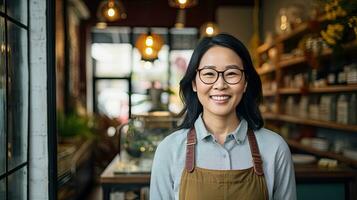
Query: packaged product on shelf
{"x": 326, "y": 110}
{"x": 289, "y": 106}
{"x": 314, "y": 108}
{"x": 351, "y": 71}
{"x": 331, "y": 78}
{"x": 342, "y": 77}
{"x": 303, "y": 107}
{"x": 312, "y": 77}
{"x": 333, "y": 107}
{"x": 352, "y": 115}
{"x": 342, "y": 109}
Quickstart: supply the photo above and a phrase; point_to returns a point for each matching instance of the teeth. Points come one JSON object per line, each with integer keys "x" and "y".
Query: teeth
{"x": 219, "y": 98}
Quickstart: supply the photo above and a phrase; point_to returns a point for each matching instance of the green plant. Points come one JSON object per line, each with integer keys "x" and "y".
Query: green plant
{"x": 72, "y": 125}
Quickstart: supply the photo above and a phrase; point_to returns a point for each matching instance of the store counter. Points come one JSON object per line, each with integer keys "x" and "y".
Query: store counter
{"x": 313, "y": 182}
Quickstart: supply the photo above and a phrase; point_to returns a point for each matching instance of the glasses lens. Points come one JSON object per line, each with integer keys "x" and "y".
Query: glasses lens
{"x": 208, "y": 76}
{"x": 233, "y": 76}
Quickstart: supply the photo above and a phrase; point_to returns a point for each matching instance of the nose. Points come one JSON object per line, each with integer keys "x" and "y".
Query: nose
{"x": 220, "y": 83}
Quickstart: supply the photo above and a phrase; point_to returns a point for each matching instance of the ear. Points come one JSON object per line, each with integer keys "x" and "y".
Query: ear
{"x": 194, "y": 87}
{"x": 245, "y": 86}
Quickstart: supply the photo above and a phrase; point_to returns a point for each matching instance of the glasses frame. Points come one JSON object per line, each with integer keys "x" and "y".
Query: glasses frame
{"x": 219, "y": 72}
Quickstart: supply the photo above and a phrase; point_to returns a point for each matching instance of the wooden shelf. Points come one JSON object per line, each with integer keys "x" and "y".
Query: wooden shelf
{"x": 289, "y": 91}
{"x": 270, "y": 116}
{"x": 298, "y": 30}
{"x": 269, "y": 93}
{"x": 262, "y": 71}
{"x": 264, "y": 47}
{"x": 327, "y": 89}
{"x": 310, "y": 122}
{"x": 327, "y": 154}
{"x": 293, "y": 61}
{"x": 334, "y": 89}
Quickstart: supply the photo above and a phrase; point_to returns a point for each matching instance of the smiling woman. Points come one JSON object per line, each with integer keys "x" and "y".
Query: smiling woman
{"x": 220, "y": 95}
{"x": 226, "y": 144}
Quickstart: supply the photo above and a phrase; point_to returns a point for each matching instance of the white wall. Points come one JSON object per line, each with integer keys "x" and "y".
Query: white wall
{"x": 38, "y": 158}
{"x": 237, "y": 21}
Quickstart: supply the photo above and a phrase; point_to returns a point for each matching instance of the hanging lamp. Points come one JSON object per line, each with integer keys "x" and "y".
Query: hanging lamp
{"x": 182, "y": 4}
{"x": 111, "y": 10}
{"x": 181, "y": 13}
{"x": 209, "y": 29}
{"x": 149, "y": 45}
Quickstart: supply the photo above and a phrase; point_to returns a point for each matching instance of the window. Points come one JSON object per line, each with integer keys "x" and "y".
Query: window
{"x": 2, "y": 98}
{"x": 119, "y": 71}
{"x": 14, "y": 99}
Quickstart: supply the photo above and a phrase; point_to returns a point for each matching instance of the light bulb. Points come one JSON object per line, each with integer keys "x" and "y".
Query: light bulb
{"x": 148, "y": 50}
{"x": 209, "y": 30}
{"x": 182, "y": 2}
{"x": 149, "y": 41}
{"x": 111, "y": 12}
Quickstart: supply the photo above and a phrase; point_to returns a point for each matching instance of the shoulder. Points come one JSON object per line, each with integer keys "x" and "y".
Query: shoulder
{"x": 172, "y": 142}
{"x": 268, "y": 136}
{"x": 271, "y": 140}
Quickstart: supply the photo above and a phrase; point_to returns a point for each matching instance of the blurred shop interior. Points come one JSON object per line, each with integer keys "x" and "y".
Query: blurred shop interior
{"x": 118, "y": 67}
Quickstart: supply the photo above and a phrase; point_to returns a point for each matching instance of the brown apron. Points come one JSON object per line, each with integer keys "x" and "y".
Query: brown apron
{"x": 206, "y": 184}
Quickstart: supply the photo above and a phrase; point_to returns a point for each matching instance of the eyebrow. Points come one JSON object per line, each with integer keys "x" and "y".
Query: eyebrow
{"x": 227, "y": 67}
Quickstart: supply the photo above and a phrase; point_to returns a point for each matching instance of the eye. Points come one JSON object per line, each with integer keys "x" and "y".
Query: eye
{"x": 233, "y": 73}
{"x": 208, "y": 73}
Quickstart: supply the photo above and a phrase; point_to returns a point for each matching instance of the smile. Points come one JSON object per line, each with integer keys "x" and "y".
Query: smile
{"x": 220, "y": 97}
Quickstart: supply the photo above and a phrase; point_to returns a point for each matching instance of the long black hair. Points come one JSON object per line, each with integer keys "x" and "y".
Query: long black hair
{"x": 248, "y": 108}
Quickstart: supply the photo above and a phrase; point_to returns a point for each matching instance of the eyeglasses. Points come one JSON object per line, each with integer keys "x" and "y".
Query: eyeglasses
{"x": 230, "y": 76}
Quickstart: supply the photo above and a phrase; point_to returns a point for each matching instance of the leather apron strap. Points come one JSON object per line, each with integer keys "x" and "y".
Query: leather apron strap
{"x": 254, "y": 149}
{"x": 190, "y": 151}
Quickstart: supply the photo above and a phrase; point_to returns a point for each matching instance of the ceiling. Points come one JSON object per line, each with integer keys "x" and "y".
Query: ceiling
{"x": 151, "y": 13}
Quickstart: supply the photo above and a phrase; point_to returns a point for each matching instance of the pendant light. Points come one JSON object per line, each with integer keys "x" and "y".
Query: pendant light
{"x": 182, "y": 4}
{"x": 111, "y": 10}
{"x": 149, "y": 45}
{"x": 181, "y": 13}
{"x": 209, "y": 29}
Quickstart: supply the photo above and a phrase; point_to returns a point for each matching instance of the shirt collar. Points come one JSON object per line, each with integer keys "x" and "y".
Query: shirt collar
{"x": 201, "y": 131}
{"x": 239, "y": 133}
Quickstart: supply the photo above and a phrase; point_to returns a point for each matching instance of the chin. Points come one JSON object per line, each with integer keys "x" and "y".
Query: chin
{"x": 222, "y": 112}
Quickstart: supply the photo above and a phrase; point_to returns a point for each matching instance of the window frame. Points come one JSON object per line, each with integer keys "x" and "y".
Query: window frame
{"x": 23, "y": 165}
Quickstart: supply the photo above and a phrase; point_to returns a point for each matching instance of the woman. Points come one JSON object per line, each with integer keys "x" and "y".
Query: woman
{"x": 221, "y": 150}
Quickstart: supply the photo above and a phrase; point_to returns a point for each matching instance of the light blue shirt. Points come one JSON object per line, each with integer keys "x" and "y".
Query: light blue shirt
{"x": 169, "y": 160}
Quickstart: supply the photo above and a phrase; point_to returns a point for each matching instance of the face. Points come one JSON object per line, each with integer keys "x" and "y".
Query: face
{"x": 220, "y": 98}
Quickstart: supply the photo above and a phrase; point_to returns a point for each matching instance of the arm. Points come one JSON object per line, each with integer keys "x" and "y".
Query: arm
{"x": 284, "y": 184}
{"x": 161, "y": 184}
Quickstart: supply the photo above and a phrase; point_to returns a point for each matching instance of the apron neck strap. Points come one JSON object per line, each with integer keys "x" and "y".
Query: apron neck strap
{"x": 257, "y": 160}
{"x": 190, "y": 150}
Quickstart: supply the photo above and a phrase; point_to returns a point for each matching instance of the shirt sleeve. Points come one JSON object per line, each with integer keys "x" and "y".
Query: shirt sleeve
{"x": 284, "y": 184}
{"x": 161, "y": 184}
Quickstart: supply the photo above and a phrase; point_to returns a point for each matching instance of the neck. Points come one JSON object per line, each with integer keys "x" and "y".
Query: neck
{"x": 220, "y": 126}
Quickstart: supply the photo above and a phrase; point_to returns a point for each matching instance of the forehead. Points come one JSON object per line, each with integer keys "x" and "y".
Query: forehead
{"x": 220, "y": 57}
